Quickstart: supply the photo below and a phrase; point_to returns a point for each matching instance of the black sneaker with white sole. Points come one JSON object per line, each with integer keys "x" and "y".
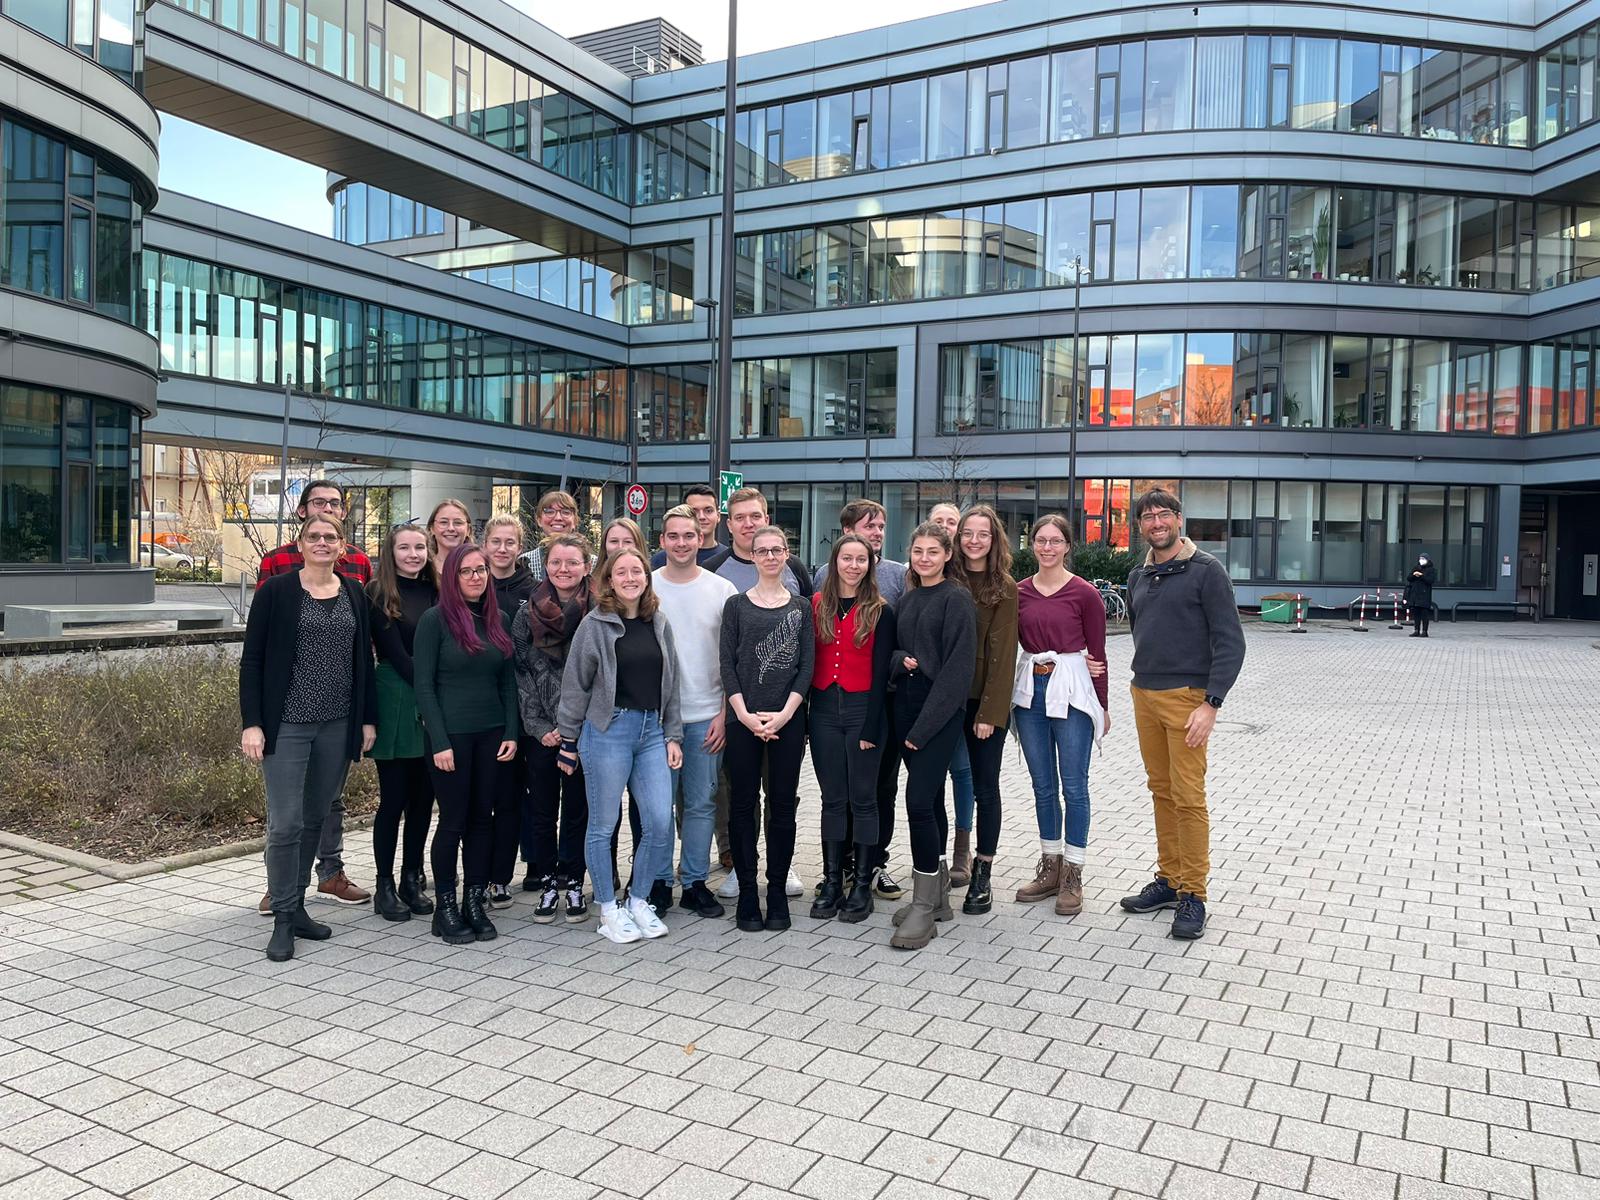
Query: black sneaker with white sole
{"x": 499, "y": 895}
{"x": 884, "y": 886}
{"x": 549, "y": 900}
{"x": 1189, "y": 922}
{"x": 577, "y": 906}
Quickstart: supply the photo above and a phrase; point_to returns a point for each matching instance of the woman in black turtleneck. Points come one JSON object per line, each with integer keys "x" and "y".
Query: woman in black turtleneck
{"x": 401, "y": 591}
{"x": 513, "y": 587}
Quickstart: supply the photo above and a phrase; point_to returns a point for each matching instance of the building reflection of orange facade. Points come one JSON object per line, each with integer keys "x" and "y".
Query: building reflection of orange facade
{"x": 1105, "y": 512}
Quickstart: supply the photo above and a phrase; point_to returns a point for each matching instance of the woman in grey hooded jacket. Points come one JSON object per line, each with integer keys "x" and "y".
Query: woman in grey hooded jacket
{"x": 619, "y": 715}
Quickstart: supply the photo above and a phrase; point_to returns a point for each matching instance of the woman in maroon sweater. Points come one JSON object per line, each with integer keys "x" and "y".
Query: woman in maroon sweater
{"x": 1059, "y": 616}
{"x": 855, "y": 633}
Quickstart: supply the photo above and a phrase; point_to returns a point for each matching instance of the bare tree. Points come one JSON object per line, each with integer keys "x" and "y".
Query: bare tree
{"x": 956, "y": 472}
{"x": 1208, "y": 397}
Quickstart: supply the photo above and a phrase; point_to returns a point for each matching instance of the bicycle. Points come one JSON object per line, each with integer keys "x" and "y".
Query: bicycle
{"x": 1111, "y": 595}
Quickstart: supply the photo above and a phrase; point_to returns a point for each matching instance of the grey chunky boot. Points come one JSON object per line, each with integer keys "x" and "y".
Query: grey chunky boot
{"x": 941, "y": 910}
{"x": 917, "y": 930}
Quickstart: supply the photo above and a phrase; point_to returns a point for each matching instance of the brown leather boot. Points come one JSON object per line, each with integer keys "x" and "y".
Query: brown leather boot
{"x": 961, "y": 861}
{"x": 1069, "y": 896}
{"x": 1045, "y": 884}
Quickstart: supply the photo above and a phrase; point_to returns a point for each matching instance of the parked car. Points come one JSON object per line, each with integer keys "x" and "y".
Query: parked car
{"x": 160, "y": 556}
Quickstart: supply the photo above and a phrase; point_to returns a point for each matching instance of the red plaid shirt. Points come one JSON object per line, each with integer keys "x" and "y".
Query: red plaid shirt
{"x": 352, "y": 564}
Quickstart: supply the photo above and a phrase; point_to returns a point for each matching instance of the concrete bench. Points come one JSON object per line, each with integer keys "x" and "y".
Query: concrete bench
{"x": 52, "y": 620}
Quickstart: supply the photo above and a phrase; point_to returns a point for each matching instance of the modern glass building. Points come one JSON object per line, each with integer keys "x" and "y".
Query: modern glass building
{"x": 1329, "y": 271}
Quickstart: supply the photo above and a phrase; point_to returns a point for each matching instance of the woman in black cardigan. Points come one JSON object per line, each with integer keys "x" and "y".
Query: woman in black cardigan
{"x": 309, "y": 707}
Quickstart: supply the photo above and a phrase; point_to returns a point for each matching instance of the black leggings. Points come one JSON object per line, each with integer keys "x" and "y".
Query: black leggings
{"x": 888, "y": 780}
{"x": 985, "y": 755}
{"x": 927, "y": 818}
{"x": 505, "y": 822}
{"x": 467, "y": 798}
{"x": 1420, "y": 618}
{"x": 847, "y": 774}
{"x": 745, "y": 756}
{"x": 404, "y": 790}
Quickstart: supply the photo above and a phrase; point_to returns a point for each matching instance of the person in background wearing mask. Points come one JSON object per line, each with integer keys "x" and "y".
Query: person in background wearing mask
{"x": 1419, "y": 594}
{"x": 1188, "y": 648}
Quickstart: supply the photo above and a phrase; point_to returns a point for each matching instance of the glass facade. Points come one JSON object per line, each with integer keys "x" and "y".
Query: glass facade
{"x": 1285, "y": 380}
{"x": 221, "y": 323}
{"x": 363, "y": 214}
{"x": 69, "y": 226}
{"x": 425, "y": 67}
{"x": 1564, "y": 85}
{"x": 1306, "y": 232}
{"x": 111, "y": 32}
{"x": 1167, "y": 84}
{"x": 69, "y": 474}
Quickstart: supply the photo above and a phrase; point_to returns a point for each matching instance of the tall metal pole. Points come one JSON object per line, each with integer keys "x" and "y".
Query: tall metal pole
{"x": 283, "y": 459}
{"x": 722, "y": 445}
{"x": 1072, "y": 420}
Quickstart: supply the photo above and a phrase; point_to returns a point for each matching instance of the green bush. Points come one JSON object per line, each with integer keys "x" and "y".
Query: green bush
{"x": 135, "y": 752}
{"x": 1092, "y": 562}
{"x": 1023, "y": 563}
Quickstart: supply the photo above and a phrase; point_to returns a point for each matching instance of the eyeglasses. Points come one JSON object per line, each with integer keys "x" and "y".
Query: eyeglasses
{"x": 1150, "y": 516}
{"x": 473, "y": 572}
{"x": 330, "y": 539}
{"x": 771, "y": 552}
{"x": 325, "y": 502}
{"x": 551, "y": 510}
{"x": 1050, "y": 543}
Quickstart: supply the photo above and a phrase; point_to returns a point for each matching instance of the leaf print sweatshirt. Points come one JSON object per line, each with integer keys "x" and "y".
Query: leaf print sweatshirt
{"x": 767, "y": 653}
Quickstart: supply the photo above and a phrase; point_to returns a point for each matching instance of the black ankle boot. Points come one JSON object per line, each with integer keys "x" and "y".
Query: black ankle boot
{"x": 386, "y": 900}
{"x": 857, "y": 905}
{"x": 447, "y": 922}
{"x": 748, "y": 918}
{"x": 980, "y": 895}
{"x": 474, "y": 912}
{"x": 831, "y": 892}
{"x": 305, "y": 927}
{"x": 413, "y": 891}
{"x": 281, "y": 947}
{"x": 777, "y": 904}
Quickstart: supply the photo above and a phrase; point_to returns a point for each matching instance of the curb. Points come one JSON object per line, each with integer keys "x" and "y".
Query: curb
{"x": 154, "y": 866}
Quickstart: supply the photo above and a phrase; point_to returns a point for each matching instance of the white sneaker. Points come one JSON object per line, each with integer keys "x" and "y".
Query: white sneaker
{"x": 792, "y": 885}
{"x": 645, "y": 919}
{"x": 730, "y": 886}
{"x": 617, "y": 926}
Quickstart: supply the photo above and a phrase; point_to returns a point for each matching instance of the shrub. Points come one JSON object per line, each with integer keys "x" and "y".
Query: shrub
{"x": 1092, "y": 562}
{"x": 132, "y": 752}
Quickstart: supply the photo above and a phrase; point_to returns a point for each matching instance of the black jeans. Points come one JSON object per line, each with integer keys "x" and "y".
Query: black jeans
{"x": 557, "y": 814}
{"x": 985, "y": 754}
{"x": 1420, "y": 618}
{"x": 888, "y": 781}
{"x": 744, "y": 757}
{"x": 927, "y": 768}
{"x": 847, "y": 774}
{"x": 404, "y": 790}
{"x": 467, "y": 798}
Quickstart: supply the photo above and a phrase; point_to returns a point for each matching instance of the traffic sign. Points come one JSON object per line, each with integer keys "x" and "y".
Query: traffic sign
{"x": 638, "y": 499}
{"x": 728, "y": 482}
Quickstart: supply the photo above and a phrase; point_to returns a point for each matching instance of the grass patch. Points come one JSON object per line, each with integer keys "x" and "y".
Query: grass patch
{"x": 135, "y": 754}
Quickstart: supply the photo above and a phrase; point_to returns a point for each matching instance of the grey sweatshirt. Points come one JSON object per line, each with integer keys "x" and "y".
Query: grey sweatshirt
{"x": 589, "y": 683}
{"x": 1185, "y": 624}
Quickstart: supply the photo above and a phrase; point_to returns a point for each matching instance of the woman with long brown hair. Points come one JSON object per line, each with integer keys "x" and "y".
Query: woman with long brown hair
{"x": 400, "y": 592}
{"x": 855, "y": 635}
{"x": 449, "y": 525}
{"x": 983, "y": 563}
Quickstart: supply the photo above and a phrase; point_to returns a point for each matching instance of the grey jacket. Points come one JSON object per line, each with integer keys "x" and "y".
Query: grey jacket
{"x": 589, "y": 684}
{"x": 1185, "y": 624}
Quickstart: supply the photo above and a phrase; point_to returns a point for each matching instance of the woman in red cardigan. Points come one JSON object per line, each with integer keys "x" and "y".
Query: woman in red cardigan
{"x": 855, "y": 633}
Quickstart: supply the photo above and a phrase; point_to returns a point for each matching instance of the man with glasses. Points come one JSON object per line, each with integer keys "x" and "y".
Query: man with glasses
{"x": 556, "y": 513}
{"x": 702, "y": 501}
{"x": 320, "y": 498}
{"x": 1188, "y": 647}
{"x": 323, "y": 498}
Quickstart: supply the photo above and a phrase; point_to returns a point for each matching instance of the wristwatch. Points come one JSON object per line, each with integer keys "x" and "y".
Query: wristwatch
{"x": 1214, "y": 701}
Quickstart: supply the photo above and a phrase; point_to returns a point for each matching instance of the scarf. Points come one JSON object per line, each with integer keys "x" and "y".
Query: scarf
{"x": 551, "y": 623}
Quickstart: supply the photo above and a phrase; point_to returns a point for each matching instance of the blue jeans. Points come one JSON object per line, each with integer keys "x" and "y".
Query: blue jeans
{"x": 631, "y": 754}
{"x": 1056, "y": 750}
{"x": 961, "y": 785}
{"x": 696, "y": 782}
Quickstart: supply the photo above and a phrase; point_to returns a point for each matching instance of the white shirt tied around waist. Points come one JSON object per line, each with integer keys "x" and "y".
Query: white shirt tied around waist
{"x": 1070, "y": 686}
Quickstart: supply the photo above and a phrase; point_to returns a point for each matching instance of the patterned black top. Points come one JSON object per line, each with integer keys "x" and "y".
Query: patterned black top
{"x": 319, "y": 687}
{"x": 767, "y": 653}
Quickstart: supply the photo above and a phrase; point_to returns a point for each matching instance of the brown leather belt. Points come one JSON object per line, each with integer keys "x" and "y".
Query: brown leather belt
{"x": 1047, "y": 668}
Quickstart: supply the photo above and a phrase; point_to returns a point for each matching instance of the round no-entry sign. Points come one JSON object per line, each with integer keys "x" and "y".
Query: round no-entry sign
{"x": 638, "y": 499}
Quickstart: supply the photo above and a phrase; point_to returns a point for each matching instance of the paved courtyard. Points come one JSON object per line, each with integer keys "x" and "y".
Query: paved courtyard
{"x": 1398, "y": 998}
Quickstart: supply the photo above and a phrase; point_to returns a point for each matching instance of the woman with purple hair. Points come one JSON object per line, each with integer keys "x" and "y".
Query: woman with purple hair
{"x": 467, "y": 697}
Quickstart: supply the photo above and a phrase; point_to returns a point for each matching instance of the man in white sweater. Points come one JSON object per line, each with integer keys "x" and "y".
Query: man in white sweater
{"x": 692, "y": 599}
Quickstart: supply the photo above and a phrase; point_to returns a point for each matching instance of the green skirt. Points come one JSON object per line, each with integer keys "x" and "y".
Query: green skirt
{"x": 399, "y": 726}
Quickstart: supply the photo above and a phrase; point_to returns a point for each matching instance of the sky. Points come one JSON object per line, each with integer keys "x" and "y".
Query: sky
{"x": 224, "y": 170}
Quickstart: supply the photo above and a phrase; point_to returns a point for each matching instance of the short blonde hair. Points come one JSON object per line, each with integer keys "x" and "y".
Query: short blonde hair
{"x": 501, "y": 520}
{"x": 680, "y": 511}
{"x": 744, "y": 495}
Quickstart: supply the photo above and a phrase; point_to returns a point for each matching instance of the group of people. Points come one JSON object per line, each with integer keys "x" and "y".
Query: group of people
{"x": 534, "y": 695}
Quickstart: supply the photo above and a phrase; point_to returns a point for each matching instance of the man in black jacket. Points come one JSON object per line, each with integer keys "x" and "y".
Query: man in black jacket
{"x": 1188, "y": 647}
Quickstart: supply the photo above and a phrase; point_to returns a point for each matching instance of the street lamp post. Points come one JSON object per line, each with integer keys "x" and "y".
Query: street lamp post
{"x": 1077, "y": 372}
{"x": 714, "y": 391}
{"x": 722, "y": 442}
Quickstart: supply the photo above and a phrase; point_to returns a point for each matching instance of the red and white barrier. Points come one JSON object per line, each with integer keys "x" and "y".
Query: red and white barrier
{"x": 1299, "y": 614}
{"x": 1361, "y": 609}
{"x": 1395, "y": 620}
